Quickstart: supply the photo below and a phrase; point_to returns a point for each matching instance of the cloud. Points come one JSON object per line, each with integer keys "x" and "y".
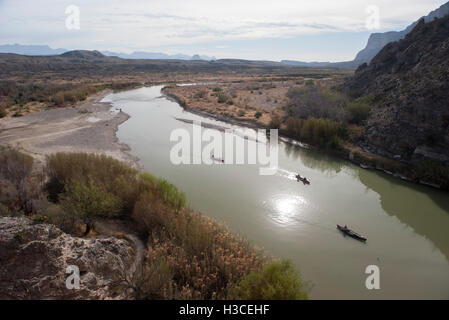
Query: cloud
{"x": 140, "y": 25}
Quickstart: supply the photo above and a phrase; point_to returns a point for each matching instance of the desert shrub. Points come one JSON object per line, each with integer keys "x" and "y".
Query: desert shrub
{"x": 117, "y": 177}
{"x": 319, "y": 132}
{"x": 241, "y": 113}
{"x": 320, "y": 101}
{"x": 204, "y": 259}
{"x": 165, "y": 191}
{"x": 309, "y": 82}
{"x": 217, "y": 89}
{"x": 275, "y": 122}
{"x": 3, "y": 112}
{"x": 222, "y": 98}
{"x": 189, "y": 256}
{"x": 24, "y": 189}
{"x": 126, "y": 85}
{"x": 4, "y": 211}
{"x": 277, "y": 281}
{"x": 154, "y": 281}
{"x": 90, "y": 200}
{"x": 69, "y": 97}
{"x": 258, "y": 114}
{"x": 201, "y": 94}
{"x": 90, "y": 186}
{"x": 58, "y": 99}
{"x": 58, "y": 216}
{"x": 359, "y": 111}
{"x": 15, "y": 166}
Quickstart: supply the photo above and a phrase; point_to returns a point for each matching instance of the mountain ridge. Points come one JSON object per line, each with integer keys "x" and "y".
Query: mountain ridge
{"x": 45, "y": 50}
{"x": 375, "y": 43}
{"x": 409, "y": 82}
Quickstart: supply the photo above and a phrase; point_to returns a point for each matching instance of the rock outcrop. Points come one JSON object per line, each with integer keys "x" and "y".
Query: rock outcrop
{"x": 409, "y": 82}
{"x": 34, "y": 258}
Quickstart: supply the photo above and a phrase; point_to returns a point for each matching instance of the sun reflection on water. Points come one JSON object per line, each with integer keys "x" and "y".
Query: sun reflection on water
{"x": 286, "y": 208}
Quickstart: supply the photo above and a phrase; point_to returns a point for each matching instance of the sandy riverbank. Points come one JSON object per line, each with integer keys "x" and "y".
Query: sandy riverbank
{"x": 89, "y": 126}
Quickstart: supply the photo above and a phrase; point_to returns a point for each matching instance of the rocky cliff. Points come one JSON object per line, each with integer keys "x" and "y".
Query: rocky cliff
{"x": 409, "y": 82}
{"x": 377, "y": 41}
{"x": 34, "y": 258}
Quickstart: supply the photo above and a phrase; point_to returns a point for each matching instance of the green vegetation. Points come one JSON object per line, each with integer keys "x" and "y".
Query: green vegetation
{"x": 277, "y": 281}
{"x": 19, "y": 191}
{"x": 189, "y": 256}
{"x": 222, "y": 98}
{"x": 321, "y": 101}
{"x": 53, "y": 94}
{"x": 309, "y": 82}
{"x": 319, "y": 132}
{"x": 275, "y": 122}
{"x": 3, "y": 112}
{"x": 258, "y": 114}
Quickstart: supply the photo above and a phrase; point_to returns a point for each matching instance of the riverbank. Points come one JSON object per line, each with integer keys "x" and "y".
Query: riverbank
{"x": 348, "y": 151}
{"x": 89, "y": 126}
{"x": 296, "y": 221}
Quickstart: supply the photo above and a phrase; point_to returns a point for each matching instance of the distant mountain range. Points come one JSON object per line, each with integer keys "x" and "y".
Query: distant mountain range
{"x": 30, "y": 50}
{"x": 375, "y": 43}
{"x": 157, "y": 55}
{"x": 43, "y": 50}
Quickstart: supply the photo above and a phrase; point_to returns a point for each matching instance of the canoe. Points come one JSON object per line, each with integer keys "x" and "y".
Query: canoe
{"x": 303, "y": 180}
{"x": 351, "y": 233}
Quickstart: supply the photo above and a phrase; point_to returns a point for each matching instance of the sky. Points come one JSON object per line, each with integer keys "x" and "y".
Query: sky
{"x": 311, "y": 30}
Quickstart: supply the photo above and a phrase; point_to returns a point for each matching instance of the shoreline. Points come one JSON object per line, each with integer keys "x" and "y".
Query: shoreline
{"x": 69, "y": 129}
{"x": 348, "y": 155}
{"x": 89, "y": 126}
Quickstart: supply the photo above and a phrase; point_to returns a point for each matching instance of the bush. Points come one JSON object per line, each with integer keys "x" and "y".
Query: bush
{"x": 275, "y": 122}
{"x": 90, "y": 200}
{"x": 3, "y": 112}
{"x": 117, "y": 177}
{"x": 309, "y": 82}
{"x": 189, "y": 256}
{"x": 15, "y": 166}
{"x": 359, "y": 111}
{"x": 258, "y": 114}
{"x": 58, "y": 99}
{"x": 23, "y": 189}
{"x": 320, "y": 101}
{"x": 277, "y": 281}
{"x": 319, "y": 132}
{"x": 222, "y": 98}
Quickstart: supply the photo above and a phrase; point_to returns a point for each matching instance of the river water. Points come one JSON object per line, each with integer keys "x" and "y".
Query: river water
{"x": 407, "y": 225}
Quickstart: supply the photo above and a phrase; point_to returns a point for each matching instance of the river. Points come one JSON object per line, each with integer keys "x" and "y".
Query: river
{"x": 407, "y": 225}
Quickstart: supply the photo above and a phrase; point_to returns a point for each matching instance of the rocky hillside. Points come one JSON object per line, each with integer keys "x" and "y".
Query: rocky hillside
{"x": 377, "y": 41}
{"x": 34, "y": 258}
{"x": 409, "y": 83}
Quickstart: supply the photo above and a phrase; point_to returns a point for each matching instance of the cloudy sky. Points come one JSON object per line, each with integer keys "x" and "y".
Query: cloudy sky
{"x": 307, "y": 30}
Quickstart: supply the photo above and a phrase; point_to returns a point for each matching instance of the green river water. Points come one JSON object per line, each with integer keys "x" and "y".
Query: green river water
{"x": 407, "y": 225}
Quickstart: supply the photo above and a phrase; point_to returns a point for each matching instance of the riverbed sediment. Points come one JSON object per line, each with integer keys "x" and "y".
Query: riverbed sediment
{"x": 89, "y": 126}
